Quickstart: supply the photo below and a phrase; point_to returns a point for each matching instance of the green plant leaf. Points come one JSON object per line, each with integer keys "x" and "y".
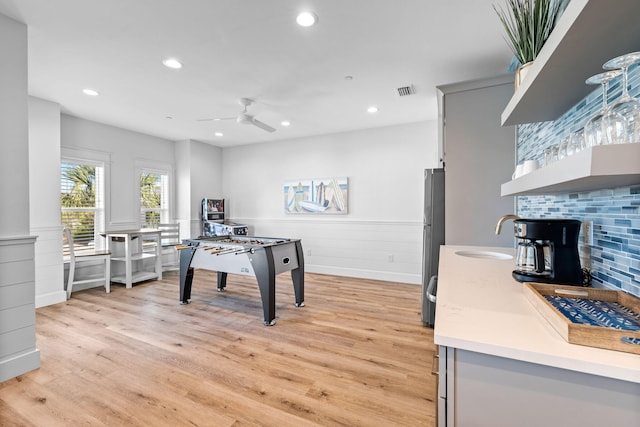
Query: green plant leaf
{"x": 528, "y": 24}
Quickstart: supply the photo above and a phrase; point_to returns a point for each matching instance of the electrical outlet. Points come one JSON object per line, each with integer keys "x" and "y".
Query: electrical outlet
{"x": 587, "y": 232}
{"x": 390, "y": 258}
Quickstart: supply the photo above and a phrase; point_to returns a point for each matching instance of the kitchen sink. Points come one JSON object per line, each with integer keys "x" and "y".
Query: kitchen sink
{"x": 483, "y": 254}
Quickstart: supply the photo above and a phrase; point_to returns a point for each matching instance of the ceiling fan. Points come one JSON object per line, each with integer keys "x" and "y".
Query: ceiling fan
{"x": 244, "y": 117}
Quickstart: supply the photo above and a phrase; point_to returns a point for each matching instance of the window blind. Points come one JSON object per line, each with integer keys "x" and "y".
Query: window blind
{"x": 154, "y": 198}
{"x": 82, "y": 202}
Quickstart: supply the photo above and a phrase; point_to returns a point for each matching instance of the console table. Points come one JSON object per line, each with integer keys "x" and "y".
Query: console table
{"x": 132, "y": 247}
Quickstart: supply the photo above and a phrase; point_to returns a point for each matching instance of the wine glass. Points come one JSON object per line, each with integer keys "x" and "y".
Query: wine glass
{"x": 577, "y": 141}
{"x": 614, "y": 126}
{"x": 626, "y": 105}
{"x": 562, "y": 148}
{"x": 593, "y": 129}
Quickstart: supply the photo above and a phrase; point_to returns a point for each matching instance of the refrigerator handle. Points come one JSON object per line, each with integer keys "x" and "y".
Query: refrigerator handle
{"x": 432, "y": 283}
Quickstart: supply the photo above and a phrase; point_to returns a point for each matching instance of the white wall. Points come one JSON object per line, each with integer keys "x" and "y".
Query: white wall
{"x": 126, "y": 150}
{"x": 182, "y": 150}
{"x": 14, "y": 147}
{"x": 198, "y": 176}
{"x": 124, "y": 153}
{"x": 385, "y": 168}
{"x": 479, "y": 157}
{"x": 44, "y": 196}
{"x": 206, "y": 180}
{"x": 195, "y": 169}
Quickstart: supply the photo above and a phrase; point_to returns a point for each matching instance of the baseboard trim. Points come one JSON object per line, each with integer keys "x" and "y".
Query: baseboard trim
{"x": 50, "y": 298}
{"x": 19, "y": 365}
{"x": 388, "y": 276}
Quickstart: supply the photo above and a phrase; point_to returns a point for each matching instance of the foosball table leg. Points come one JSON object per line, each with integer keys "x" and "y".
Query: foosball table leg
{"x": 222, "y": 281}
{"x": 186, "y": 274}
{"x": 297, "y": 276}
{"x": 266, "y": 276}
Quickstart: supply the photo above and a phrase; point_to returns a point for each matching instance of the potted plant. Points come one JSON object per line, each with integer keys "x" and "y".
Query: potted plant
{"x": 528, "y": 24}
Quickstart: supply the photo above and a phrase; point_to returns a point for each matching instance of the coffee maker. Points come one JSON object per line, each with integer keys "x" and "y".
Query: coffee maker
{"x": 547, "y": 251}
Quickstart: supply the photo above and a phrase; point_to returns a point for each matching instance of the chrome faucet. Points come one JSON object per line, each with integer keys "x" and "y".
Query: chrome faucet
{"x": 502, "y": 219}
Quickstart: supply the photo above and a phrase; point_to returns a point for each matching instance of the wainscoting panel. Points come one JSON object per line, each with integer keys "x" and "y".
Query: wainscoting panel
{"x": 383, "y": 250}
{"x": 49, "y": 269}
{"x": 18, "y": 353}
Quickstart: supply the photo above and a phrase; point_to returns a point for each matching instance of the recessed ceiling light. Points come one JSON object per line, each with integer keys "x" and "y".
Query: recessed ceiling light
{"x": 168, "y": 117}
{"x": 285, "y": 123}
{"x": 172, "y": 63}
{"x": 306, "y": 19}
{"x": 348, "y": 77}
{"x": 372, "y": 109}
{"x": 219, "y": 134}
{"x": 90, "y": 92}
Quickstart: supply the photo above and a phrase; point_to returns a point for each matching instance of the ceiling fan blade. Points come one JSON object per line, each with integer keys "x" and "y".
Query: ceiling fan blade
{"x": 261, "y": 125}
{"x": 216, "y": 119}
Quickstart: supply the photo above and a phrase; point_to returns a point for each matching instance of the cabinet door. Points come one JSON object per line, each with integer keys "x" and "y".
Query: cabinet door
{"x": 444, "y": 411}
{"x": 499, "y": 392}
{"x": 442, "y": 387}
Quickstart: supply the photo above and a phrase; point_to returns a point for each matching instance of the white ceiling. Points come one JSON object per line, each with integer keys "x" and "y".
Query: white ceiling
{"x": 255, "y": 49}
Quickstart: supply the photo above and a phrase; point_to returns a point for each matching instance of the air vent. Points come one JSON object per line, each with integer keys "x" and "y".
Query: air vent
{"x": 406, "y": 90}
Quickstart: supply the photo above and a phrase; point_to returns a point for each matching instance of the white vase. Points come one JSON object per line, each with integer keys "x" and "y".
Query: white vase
{"x": 521, "y": 73}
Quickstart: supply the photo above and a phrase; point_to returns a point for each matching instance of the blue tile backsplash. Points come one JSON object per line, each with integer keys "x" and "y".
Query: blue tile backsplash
{"x": 615, "y": 254}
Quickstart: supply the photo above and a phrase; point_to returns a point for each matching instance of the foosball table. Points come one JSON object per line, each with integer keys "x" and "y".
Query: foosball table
{"x": 262, "y": 257}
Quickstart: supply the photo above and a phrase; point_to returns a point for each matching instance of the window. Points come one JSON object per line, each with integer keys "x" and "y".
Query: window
{"x": 82, "y": 201}
{"x": 154, "y": 197}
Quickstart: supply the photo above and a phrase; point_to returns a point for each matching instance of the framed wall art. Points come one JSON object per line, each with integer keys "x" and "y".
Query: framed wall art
{"x": 325, "y": 196}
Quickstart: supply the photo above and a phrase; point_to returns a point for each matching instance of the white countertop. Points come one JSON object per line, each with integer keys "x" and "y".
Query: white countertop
{"x": 482, "y": 308}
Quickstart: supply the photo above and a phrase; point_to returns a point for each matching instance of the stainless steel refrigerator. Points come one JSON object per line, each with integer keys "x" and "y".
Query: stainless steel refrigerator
{"x": 433, "y": 238}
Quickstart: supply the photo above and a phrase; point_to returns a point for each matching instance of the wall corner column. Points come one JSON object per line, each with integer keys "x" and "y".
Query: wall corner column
{"x": 18, "y": 352}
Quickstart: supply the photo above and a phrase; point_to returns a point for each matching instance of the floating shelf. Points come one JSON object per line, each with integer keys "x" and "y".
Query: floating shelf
{"x": 589, "y": 33}
{"x": 605, "y": 166}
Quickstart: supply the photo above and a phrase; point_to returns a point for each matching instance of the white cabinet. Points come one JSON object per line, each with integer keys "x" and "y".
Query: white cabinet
{"x": 502, "y": 364}
{"x": 589, "y": 33}
{"x": 604, "y": 166}
{"x": 135, "y": 255}
{"x": 486, "y": 390}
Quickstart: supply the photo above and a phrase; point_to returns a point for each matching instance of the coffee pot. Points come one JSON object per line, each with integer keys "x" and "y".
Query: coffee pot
{"x": 547, "y": 250}
{"x": 534, "y": 257}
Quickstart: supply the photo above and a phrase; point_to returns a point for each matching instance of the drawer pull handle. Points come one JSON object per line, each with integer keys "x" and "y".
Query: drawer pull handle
{"x": 434, "y": 363}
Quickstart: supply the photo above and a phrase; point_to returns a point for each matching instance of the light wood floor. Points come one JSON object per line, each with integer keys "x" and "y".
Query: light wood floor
{"x": 356, "y": 355}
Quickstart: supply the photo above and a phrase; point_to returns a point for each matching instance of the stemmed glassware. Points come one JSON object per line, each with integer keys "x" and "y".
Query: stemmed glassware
{"x": 627, "y": 106}
{"x": 594, "y": 133}
{"x": 614, "y": 126}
